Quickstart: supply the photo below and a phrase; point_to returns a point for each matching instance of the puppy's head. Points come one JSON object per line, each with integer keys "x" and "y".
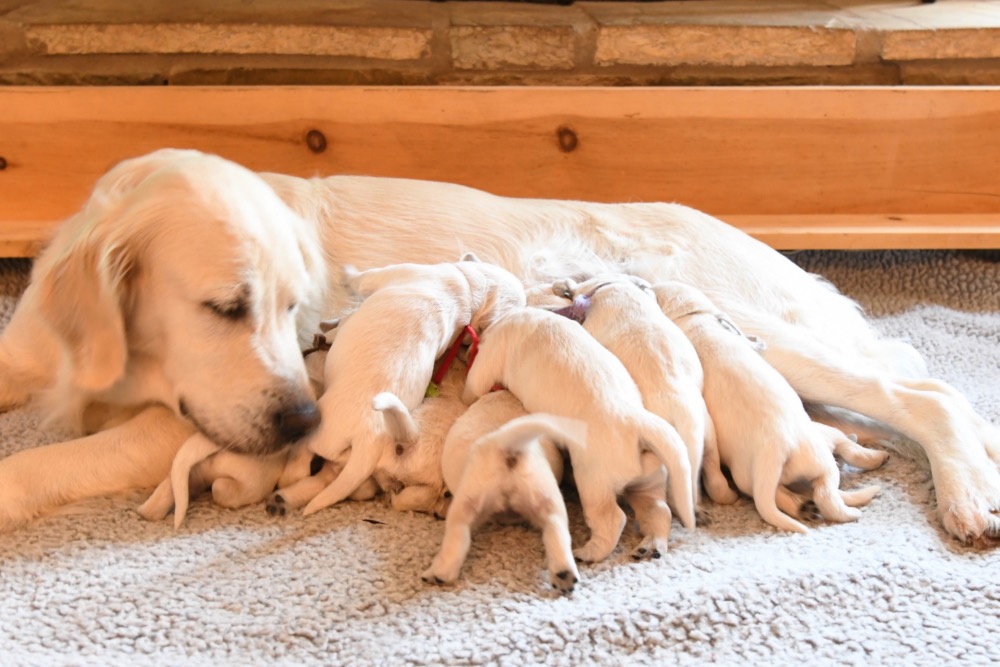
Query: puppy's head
{"x": 182, "y": 282}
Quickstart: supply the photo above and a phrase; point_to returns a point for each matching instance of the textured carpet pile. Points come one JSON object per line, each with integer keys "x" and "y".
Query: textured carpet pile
{"x": 102, "y": 586}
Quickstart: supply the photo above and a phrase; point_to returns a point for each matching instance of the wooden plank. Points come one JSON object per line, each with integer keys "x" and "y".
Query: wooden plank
{"x": 871, "y": 231}
{"x": 733, "y": 152}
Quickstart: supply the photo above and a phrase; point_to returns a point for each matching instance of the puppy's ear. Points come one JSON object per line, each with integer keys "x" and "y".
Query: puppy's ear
{"x": 470, "y": 257}
{"x": 82, "y": 296}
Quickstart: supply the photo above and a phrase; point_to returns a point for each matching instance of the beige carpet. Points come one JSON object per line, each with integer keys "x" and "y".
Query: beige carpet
{"x": 342, "y": 587}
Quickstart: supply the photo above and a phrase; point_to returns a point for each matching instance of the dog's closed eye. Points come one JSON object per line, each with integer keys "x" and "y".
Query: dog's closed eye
{"x": 230, "y": 310}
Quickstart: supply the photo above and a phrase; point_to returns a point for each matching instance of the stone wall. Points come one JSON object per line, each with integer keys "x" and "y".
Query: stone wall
{"x": 413, "y": 42}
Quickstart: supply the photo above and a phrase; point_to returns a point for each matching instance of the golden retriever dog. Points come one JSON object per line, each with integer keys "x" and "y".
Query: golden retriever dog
{"x": 176, "y": 294}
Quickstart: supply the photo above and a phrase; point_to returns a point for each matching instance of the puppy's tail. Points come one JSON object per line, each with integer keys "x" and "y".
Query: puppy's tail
{"x": 516, "y": 434}
{"x": 361, "y": 463}
{"x": 398, "y": 420}
{"x": 195, "y": 449}
{"x": 767, "y": 470}
{"x": 656, "y": 435}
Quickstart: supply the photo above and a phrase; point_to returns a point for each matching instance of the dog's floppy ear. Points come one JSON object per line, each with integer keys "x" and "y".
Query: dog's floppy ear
{"x": 81, "y": 296}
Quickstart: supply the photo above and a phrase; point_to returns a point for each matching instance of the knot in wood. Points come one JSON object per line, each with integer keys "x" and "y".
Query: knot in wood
{"x": 567, "y": 139}
{"x": 316, "y": 141}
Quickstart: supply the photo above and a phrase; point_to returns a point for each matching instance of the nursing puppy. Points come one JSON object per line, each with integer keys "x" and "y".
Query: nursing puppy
{"x": 235, "y": 479}
{"x": 497, "y": 458}
{"x": 411, "y": 314}
{"x": 765, "y": 437}
{"x": 621, "y": 312}
{"x": 411, "y": 471}
{"x": 552, "y": 365}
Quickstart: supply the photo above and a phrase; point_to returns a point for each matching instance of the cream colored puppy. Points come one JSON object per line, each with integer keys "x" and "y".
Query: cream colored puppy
{"x": 497, "y": 458}
{"x": 552, "y": 365}
{"x": 765, "y": 437}
{"x": 621, "y": 312}
{"x": 411, "y": 471}
{"x": 411, "y": 314}
{"x": 235, "y": 479}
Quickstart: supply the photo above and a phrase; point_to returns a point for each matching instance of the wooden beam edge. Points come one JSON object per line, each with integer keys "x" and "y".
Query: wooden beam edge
{"x": 863, "y": 231}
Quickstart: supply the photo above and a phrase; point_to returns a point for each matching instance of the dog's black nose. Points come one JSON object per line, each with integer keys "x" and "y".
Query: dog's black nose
{"x": 295, "y": 421}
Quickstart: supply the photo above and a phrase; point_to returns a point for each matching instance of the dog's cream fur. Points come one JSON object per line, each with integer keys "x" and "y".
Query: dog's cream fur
{"x": 167, "y": 234}
{"x": 552, "y": 365}
{"x": 499, "y": 459}
{"x": 622, "y": 313}
{"x": 410, "y": 315}
{"x": 764, "y": 435}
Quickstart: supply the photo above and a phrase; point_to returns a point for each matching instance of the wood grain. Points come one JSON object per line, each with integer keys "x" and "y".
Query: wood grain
{"x": 799, "y": 167}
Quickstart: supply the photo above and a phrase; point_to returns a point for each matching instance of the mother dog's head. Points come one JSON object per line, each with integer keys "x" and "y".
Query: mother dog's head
{"x": 182, "y": 281}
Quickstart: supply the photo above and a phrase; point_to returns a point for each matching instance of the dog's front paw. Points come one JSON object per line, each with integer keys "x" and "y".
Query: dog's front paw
{"x": 276, "y": 505}
{"x": 565, "y": 580}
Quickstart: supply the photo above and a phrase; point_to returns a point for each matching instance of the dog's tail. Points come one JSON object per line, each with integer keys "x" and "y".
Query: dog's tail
{"x": 516, "y": 434}
{"x": 398, "y": 420}
{"x": 656, "y": 435}
{"x": 767, "y": 470}
{"x": 195, "y": 449}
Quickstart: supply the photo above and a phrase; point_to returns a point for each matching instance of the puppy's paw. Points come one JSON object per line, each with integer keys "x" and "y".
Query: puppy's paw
{"x": 592, "y": 552}
{"x": 650, "y": 548}
{"x": 564, "y": 288}
{"x": 809, "y": 511}
{"x": 565, "y": 580}
{"x": 431, "y": 576}
{"x": 276, "y": 505}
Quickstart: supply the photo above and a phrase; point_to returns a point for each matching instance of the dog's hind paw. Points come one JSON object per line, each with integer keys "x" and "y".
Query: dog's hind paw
{"x": 809, "y": 511}
{"x": 650, "y": 548}
{"x": 276, "y": 505}
{"x": 430, "y": 576}
{"x": 564, "y": 580}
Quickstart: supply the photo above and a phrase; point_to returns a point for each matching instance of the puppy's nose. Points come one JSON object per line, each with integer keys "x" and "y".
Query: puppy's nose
{"x": 295, "y": 421}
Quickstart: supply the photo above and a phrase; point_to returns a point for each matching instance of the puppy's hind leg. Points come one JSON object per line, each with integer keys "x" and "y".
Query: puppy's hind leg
{"x": 830, "y": 502}
{"x": 648, "y": 500}
{"x": 766, "y": 473}
{"x": 860, "y": 497}
{"x": 604, "y": 518}
{"x": 301, "y": 492}
{"x": 716, "y": 483}
{"x": 857, "y": 455}
{"x": 464, "y": 511}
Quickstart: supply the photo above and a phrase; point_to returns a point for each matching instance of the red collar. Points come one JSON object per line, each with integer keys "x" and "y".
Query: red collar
{"x": 449, "y": 357}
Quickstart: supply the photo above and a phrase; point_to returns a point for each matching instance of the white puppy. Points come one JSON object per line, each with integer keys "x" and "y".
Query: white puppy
{"x": 497, "y": 458}
{"x": 765, "y": 437}
{"x": 235, "y": 479}
{"x": 552, "y": 365}
{"x": 410, "y": 315}
{"x": 621, "y": 312}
